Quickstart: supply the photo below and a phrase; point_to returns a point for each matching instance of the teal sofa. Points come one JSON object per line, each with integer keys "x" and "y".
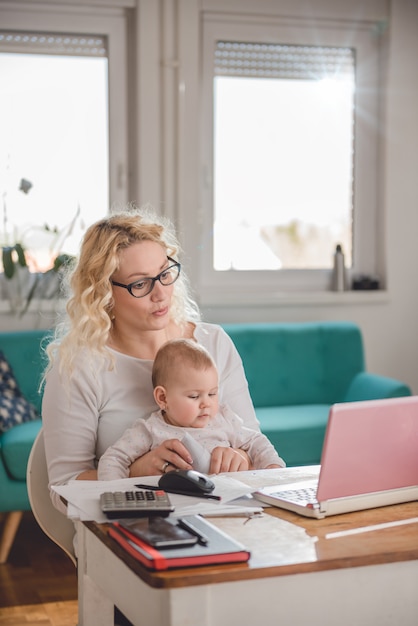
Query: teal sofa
{"x": 22, "y": 350}
{"x": 296, "y": 371}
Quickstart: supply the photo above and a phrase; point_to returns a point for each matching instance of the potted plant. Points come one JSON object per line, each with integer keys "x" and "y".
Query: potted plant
{"x": 20, "y": 284}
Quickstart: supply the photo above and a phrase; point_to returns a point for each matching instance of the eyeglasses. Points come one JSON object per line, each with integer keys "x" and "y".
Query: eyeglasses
{"x": 144, "y": 286}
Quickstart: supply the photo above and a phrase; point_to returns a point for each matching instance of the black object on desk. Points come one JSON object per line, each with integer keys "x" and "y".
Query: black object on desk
{"x": 202, "y": 539}
{"x": 186, "y": 483}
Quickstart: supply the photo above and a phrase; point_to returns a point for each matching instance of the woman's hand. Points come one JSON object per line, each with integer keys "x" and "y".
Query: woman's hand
{"x": 168, "y": 456}
{"x": 228, "y": 460}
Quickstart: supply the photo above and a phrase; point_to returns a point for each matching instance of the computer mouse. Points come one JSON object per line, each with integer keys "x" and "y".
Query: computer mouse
{"x": 186, "y": 482}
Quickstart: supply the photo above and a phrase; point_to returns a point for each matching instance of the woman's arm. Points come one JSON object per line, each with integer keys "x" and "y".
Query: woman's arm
{"x": 69, "y": 422}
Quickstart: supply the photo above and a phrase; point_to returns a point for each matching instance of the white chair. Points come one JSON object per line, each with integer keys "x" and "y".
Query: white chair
{"x": 54, "y": 524}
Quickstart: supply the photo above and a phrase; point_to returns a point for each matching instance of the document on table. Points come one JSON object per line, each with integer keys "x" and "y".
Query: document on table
{"x": 83, "y": 497}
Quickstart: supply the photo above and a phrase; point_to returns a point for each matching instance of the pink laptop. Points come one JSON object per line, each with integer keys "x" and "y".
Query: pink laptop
{"x": 369, "y": 459}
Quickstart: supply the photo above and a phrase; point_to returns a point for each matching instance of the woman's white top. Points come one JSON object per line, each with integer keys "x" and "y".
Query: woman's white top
{"x": 82, "y": 417}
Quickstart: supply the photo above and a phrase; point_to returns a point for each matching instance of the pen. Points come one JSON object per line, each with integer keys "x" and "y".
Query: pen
{"x": 248, "y": 514}
{"x": 150, "y": 487}
{"x": 202, "y": 539}
{"x": 208, "y": 496}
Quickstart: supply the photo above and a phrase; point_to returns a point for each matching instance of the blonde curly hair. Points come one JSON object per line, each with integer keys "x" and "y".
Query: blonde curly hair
{"x": 89, "y": 309}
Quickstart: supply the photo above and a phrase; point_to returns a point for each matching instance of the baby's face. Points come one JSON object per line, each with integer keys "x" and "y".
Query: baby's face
{"x": 192, "y": 397}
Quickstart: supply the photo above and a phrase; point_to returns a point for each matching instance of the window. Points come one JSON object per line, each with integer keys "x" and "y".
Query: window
{"x": 63, "y": 124}
{"x": 294, "y": 105}
{"x": 290, "y": 150}
{"x": 54, "y": 141}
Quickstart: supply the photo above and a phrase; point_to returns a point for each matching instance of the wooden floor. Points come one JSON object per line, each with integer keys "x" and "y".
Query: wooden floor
{"x": 38, "y": 584}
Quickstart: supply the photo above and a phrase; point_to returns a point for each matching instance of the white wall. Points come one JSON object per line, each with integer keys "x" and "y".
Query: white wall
{"x": 167, "y": 172}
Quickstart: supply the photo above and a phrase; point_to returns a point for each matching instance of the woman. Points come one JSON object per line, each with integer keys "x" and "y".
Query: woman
{"x": 128, "y": 297}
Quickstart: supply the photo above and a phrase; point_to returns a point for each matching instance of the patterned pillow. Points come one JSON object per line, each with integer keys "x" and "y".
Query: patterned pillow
{"x": 14, "y": 408}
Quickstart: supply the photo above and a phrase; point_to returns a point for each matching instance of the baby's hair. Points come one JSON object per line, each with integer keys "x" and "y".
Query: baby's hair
{"x": 176, "y": 354}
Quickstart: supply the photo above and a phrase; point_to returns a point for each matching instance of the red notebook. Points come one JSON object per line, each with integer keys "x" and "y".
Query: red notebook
{"x": 220, "y": 548}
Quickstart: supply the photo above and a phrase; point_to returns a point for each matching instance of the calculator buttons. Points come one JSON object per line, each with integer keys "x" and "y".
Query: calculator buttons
{"x": 141, "y": 503}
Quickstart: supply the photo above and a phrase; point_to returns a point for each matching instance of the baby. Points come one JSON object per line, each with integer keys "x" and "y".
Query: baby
{"x": 185, "y": 381}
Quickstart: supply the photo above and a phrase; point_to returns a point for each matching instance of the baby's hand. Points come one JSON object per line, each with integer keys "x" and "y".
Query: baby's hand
{"x": 228, "y": 460}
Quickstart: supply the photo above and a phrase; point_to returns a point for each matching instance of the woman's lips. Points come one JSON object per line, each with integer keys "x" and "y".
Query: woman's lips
{"x": 161, "y": 312}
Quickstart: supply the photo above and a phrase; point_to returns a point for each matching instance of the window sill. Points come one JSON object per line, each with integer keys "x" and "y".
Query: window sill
{"x": 313, "y": 298}
{"x": 51, "y": 305}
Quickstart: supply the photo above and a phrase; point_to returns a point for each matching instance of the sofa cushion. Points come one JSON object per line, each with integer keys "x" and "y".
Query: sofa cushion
{"x": 15, "y": 447}
{"x": 14, "y": 408}
{"x": 24, "y": 351}
{"x": 295, "y": 364}
{"x": 368, "y": 386}
{"x": 297, "y": 432}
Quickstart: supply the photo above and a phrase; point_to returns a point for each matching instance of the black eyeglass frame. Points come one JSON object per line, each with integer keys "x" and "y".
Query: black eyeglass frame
{"x": 152, "y": 279}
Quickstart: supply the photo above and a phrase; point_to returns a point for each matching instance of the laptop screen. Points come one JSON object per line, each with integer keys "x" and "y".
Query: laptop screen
{"x": 369, "y": 447}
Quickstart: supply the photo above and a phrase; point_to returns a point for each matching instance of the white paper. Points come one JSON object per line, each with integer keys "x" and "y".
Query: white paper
{"x": 201, "y": 457}
{"x": 83, "y": 497}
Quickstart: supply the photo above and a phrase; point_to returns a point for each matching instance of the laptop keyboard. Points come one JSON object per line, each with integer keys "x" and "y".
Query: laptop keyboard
{"x": 305, "y": 495}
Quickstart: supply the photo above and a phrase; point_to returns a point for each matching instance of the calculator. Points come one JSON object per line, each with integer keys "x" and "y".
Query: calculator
{"x": 139, "y": 503}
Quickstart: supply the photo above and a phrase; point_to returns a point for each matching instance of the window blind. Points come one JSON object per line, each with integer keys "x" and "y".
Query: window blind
{"x": 53, "y": 43}
{"x": 265, "y": 60}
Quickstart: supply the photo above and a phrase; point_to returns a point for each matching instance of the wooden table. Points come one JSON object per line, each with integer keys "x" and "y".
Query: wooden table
{"x": 358, "y": 569}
